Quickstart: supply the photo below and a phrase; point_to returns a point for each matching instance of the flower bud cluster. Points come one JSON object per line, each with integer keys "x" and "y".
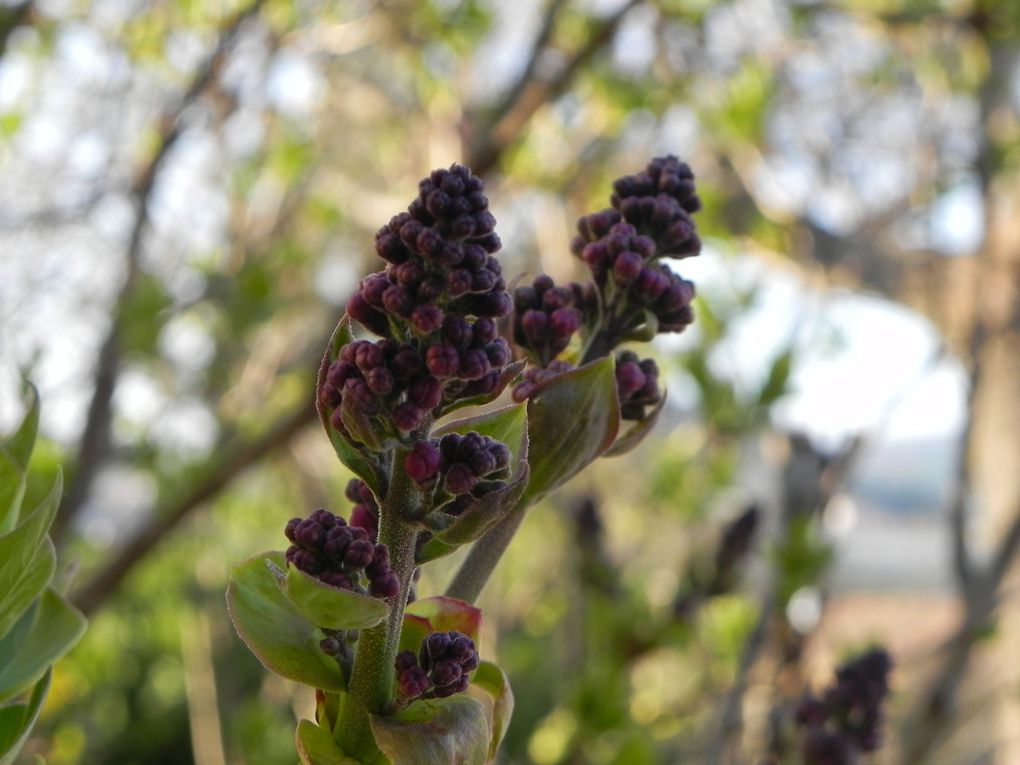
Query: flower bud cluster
{"x": 459, "y": 466}
{"x": 637, "y": 384}
{"x": 324, "y": 546}
{"x": 659, "y": 200}
{"x": 847, "y": 719}
{"x": 365, "y": 513}
{"x": 441, "y": 668}
{"x": 435, "y": 305}
{"x": 547, "y": 316}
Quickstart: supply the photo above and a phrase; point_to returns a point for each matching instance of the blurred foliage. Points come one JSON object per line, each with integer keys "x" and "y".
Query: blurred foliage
{"x": 801, "y": 119}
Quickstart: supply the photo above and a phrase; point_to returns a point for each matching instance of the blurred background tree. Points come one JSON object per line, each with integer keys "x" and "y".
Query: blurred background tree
{"x": 189, "y": 194}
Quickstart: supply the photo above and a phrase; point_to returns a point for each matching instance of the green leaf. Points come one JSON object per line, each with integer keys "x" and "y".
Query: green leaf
{"x": 315, "y": 746}
{"x": 30, "y": 584}
{"x": 57, "y": 628}
{"x": 15, "y": 452}
{"x": 331, "y": 607}
{"x": 352, "y": 456}
{"x": 493, "y": 681}
{"x": 637, "y": 432}
{"x": 274, "y": 630}
{"x": 16, "y": 721}
{"x": 413, "y": 631}
{"x": 561, "y": 443}
{"x": 445, "y": 614}
{"x": 19, "y": 547}
{"x": 507, "y": 376}
{"x": 435, "y": 732}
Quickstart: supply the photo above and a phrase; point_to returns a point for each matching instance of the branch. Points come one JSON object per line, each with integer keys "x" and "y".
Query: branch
{"x": 492, "y": 141}
{"x": 94, "y": 443}
{"x": 172, "y": 512}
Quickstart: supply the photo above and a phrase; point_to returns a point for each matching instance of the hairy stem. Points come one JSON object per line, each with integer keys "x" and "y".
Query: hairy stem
{"x": 474, "y": 572}
{"x": 372, "y": 676}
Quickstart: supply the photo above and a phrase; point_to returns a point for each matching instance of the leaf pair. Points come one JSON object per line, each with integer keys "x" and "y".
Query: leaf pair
{"x": 278, "y": 611}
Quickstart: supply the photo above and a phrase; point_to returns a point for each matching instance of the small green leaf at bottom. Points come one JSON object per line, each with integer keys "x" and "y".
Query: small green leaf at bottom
{"x": 450, "y": 731}
{"x": 315, "y": 746}
{"x": 16, "y": 721}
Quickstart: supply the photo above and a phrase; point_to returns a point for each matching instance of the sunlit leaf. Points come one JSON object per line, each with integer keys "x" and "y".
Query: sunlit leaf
{"x": 19, "y": 547}
{"x": 315, "y": 746}
{"x": 16, "y": 721}
{"x": 435, "y": 732}
{"x": 561, "y": 443}
{"x": 57, "y": 628}
{"x": 274, "y": 630}
{"x": 493, "y": 681}
{"x": 29, "y": 586}
{"x": 15, "y": 452}
{"x": 331, "y": 607}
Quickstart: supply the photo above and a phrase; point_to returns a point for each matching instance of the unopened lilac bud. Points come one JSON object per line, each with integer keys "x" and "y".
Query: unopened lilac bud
{"x": 426, "y": 393}
{"x": 422, "y": 462}
{"x": 473, "y": 364}
{"x": 330, "y": 645}
{"x": 324, "y": 518}
{"x": 565, "y": 321}
{"x": 629, "y": 379}
{"x": 407, "y": 416}
{"x": 500, "y": 453}
{"x": 397, "y": 300}
{"x": 364, "y": 518}
{"x": 359, "y": 554}
{"x": 483, "y": 330}
{"x": 430, "y": 289}
{"x": 498, "y": 353}
{"x": 406, "y": 365}
{"x": 380, "y": 380}
{"x": 626, "y": 268}
{"x": 426, "y": 318}
{"x": 292, "y": 525}
{"x": 535, "y": 324}
{"x": 361, "y": 394}
{"x": 460, "y": 478}
{"x": 309, "y": 533}
{"x": 442, "y": 360}
{"x": 457, "y": 331}
{"x": 385, "y": 586}
{"x": 409, "y": 273}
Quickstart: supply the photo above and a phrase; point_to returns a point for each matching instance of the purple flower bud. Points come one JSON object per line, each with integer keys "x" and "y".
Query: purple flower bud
{"x": 329, "y": 396}
{"x": 459, "y": 282}
{"x": 410, "y": 232}
{"x": 359, "y": 554}
{"x": 412, "y": 682}
{"x": 291, "y": 527}
{"x": 422, "y": 462}
{"x": 309, "y": 534}
{"x": 431, "y": 288}
{"x": 482, "y": 462}
{"x": 380, "y": 380}
{"x": 629, "y": 379}
{"x": 340, "y": 372}
{"x": 498, "y": 353}
{"x": 426, "y": 393}
{"x": 362, "y": 312}
{"x": 565, "y": 321}
{"x": 398, "y": 300}
{"x": 385, "y": 585}
{"x": 626, "y": 268}
{"x": 483, "y": 280}
{"x": 365, "y": 518}
{"x": 324, "y": 518}
{"x": 446, "y": 673}
{"x": 426, "y": 318}
{"x": 406, "y": 365}
{"x": 442, "y": 360}
{"x": 474, "y": 364}
{"x": 535, "y": 325}
{"x": 389, "y": 247}
{"x": 407, "y": 416}
{"x": 372, "y": 288}
{"x": 330, "y": 645}
{"x": 337, "y": 579}
{"x": 456, "y": 331}
{"x": 359, "y": 392}
{"x": 460, "y": 479}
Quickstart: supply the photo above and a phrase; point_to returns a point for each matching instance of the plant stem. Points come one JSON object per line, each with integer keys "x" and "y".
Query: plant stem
{"x": 372, "y": 676}
{"x": 474, "y": 572}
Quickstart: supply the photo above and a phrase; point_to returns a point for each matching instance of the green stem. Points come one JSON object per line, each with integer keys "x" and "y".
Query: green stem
{"x": 372, "y": 677}
{"x": 481, "y": 560}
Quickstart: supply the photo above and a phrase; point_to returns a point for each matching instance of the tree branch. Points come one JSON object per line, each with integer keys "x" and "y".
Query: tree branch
{"x": 94, "y": 443}
{"x": 172, "y": 512}
{"x": 488, "y": 144}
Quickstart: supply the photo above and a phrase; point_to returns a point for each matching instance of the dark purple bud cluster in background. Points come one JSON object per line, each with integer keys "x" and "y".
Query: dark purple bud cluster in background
{"x": 847, "y": 719}
{"x": 442, "y": 667}
{"x": 435, "y": 305}
{"x": 460, "y": 467}
{"x": 637, "y": 383}
{"x": 324, "y": 546}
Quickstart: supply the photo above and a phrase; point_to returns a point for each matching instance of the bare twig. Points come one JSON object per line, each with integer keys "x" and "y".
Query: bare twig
{"x": 94, "y": 443}
{"x": 490, "y": 142}
{"x": 168, "y": 516}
